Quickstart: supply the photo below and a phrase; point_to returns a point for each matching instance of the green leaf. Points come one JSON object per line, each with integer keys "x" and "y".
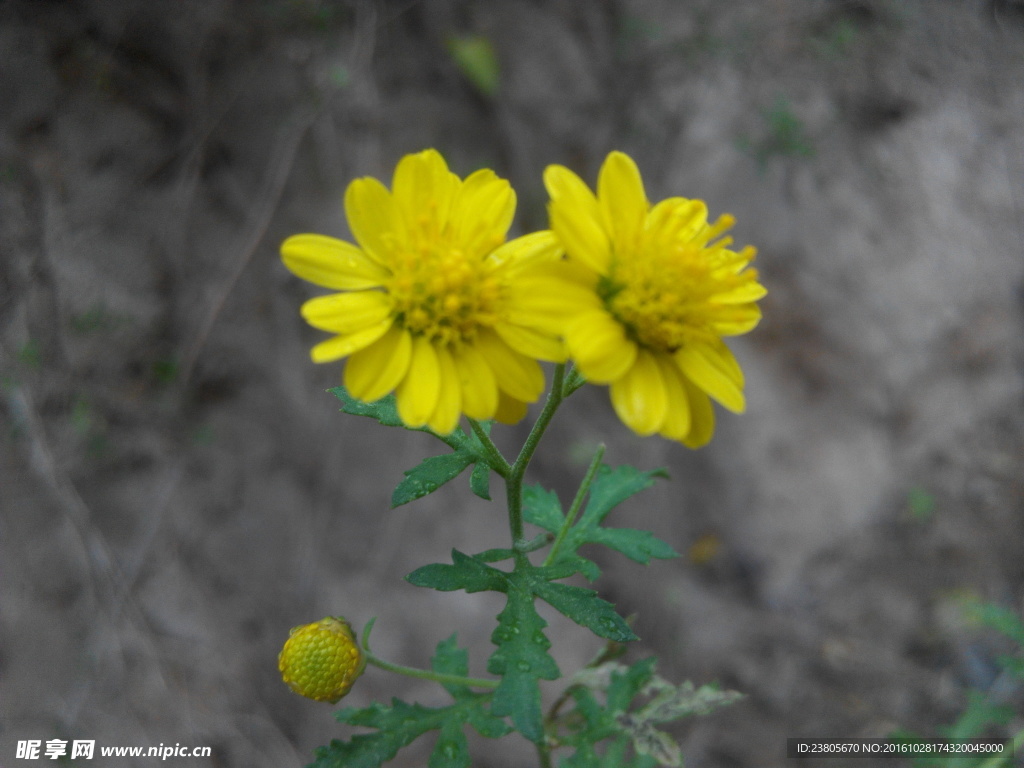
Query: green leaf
{"x": 449, "y": 659}
{"x": 613, "y": 486}
{"x": 428, "y": 476}
{"x": 619, "y": 727}
{"x": 400, "y": 724}
{"x": 610, "y": 488}
{"x": 521, "y": 660}
{"x": 480, "y": 480}
{"x": 397, "y": 726}
{"x": 384, "y": 410}
{"x": 587, "y": 609}
{"x": 626, "y": 683}
{"x": 542, "y": 508}
{"x": 452, "y": 748}
{"x": 494, "y": 555}
{"x": 466, "y": 572}
{"x": 435, "y": 471}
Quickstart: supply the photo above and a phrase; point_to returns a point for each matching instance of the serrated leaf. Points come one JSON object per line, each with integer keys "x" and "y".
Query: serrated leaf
{"x": 451, "y": 749}
{"x": 639, "y": 546}
{"x": 466, "y": 572}
{"x": 521, "y": 659}
{"x": 542, "y": 508}
{"x": 397, "y": 727}
{"x": 610, "y": 488}
{"x": 435, "y": 471}
{"x": 449, "y": 659}
{"x": 587, "y": 609}
{"x": 428, "y": 476}
{"x": 384, "y": 410}
{"x": 486, "y": 724}
{"x": 613, "y": 486}
{"x": 626, "y": 683}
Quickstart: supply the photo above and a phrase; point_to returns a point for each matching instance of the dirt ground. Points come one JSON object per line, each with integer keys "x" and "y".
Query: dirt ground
{"x": 177, "y": 490}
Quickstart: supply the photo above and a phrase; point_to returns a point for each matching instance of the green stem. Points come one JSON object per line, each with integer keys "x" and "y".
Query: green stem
{"x": 577, "y": 503}
{"x": 426, "y": 674}
{"x": 421, "y": 674}
{"x": 545, "y": 756}
{"x": 514, "y": 479}
{"x": 573, "y": 381}
{"x": 496, "y": 461}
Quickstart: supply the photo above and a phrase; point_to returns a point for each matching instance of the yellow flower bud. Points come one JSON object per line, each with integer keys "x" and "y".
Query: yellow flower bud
{"x": 321, "y": 660}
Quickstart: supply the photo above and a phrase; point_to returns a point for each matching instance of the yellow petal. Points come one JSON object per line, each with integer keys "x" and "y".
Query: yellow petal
{"x": 702, "y": 417}
{"x": 533, "y": 300}
{"x": 373, "y": 372}
{"x": 750, "y": 291}
{"x": 677, "y": 418}
{"x": 339, "y": 346}
{"x": 727, "y": 362}
{"x": 331, "y": 263}
{"x": 640, "y": 398}
{"x": 531, "y": 342}
{"x": 600, "y": 346}
{"x": 423, "y": 189}
{"x": 517, "y": 375}
{"x": 417, "y": 394}
{"x": 347, "y": 312}
{"x": 482, "y": 213}
{"x": 675, "y": 219}
{"x": 736, "y": 320}
{"x": 576, "y": 218}
{"x": 445, "y": 417}
{"x": 713, "y": 373}
{"x": 620, "y": 193}
{"x": 527, "y": 251}
{"x": 479, "y": 386}
{"x": 510, "y": 410}
{"x": 371, "y": 217}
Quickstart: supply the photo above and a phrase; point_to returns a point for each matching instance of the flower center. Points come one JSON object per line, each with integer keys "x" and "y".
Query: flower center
{"x": 664, "y": 296}
{"x": 442, "y": 294}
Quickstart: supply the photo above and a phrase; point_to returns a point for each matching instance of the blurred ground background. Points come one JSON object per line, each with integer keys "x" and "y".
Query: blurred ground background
{"x": 177, "y": 490}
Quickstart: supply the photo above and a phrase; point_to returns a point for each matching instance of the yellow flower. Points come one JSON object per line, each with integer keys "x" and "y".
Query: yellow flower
{"x": 644, "y": 298}
{"x": 428, "y": 296}
{"x": 321, "y": 660}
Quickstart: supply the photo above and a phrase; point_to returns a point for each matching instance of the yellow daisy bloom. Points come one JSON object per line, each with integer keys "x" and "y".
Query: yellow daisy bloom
{"x": 426, "y": 298}
{"x": 644, "y": 297}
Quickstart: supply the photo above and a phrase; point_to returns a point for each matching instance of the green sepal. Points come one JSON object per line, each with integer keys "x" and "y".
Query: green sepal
{"x": 610, "y": 488}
